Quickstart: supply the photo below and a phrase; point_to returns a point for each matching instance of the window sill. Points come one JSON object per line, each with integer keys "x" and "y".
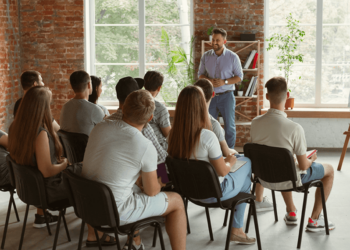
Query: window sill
{"x": 316, "y": 112}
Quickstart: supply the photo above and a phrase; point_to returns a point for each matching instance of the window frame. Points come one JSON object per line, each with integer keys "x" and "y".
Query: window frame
{"x": 318, "y": 72}
{"x": 90, "y": 64}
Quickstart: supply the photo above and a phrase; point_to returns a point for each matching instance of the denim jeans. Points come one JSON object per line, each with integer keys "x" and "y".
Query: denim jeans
{"x": 225, "y": 104}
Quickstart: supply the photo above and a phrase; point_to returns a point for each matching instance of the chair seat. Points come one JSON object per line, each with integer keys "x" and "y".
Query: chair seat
{"x": 227, "y": 204}
{"x": 300, "y": 189}
{"x": 6, "y": 188}
{"x": 58, "y": 205}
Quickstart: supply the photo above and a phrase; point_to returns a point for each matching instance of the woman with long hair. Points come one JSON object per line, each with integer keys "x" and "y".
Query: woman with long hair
{"x": 96, "y": 83}
{"x": 191, "y": 138}
{"x": 38, "y": 145}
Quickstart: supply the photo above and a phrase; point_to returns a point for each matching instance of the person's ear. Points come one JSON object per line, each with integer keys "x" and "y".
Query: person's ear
{"x": 158, "y": 89}
{"x": 35, "y": 84}
{"x": 225, "y": 41}
{"x": 89, "y": 85}
{"x": 267, "y": 96}
{"x": 150, "y": 118}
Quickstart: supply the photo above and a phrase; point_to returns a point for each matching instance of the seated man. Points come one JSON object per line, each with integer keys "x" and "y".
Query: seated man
{"x": 123, "y": 154}
{"x": 78, "y": 115}
{"x": 276, "y": 130}
{"x": 30, "y": 79}
{"x": 124, "y": 87}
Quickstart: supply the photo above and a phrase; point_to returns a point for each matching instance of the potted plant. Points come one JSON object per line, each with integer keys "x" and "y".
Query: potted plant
{"x": 290, "y": 101}
{"x": 240, "y": 87}
{"x": 287, "y": 45}
{"x": 209, "y": 32}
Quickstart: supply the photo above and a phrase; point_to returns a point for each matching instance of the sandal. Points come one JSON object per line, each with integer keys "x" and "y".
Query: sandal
{"x": 126, "y": 246}
{"x": 103, "y": 241}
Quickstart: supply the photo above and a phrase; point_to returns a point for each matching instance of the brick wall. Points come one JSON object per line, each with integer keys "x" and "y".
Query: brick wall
{"x": 9, "y": 59}
{"x": 236, "y": 17}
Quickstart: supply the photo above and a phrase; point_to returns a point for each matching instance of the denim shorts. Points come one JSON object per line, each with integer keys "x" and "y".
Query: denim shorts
{"x": 315, "y": 172}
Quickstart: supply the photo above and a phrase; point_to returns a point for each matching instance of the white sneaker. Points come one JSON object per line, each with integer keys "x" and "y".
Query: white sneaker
{"x": 263, "y": 206}
{"x": 319, "y": 224}
{"x": 291, "y": 218}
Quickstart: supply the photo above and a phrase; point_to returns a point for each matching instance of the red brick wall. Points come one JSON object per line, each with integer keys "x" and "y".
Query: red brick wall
{"x": 9, "y": 60}
{"x": 236, "y": 17}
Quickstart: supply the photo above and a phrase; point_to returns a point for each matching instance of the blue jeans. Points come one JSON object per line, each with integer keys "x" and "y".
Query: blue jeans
{"x": 225, "y": 104}
{"x": 233, "y": 184}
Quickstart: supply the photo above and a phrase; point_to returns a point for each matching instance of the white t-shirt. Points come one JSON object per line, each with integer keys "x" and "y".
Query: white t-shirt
{"x": 208, "y": 148}
{"x": 217, "y": 129}
{"x": 115, "y": 155}
{"x": 274, "y": 129}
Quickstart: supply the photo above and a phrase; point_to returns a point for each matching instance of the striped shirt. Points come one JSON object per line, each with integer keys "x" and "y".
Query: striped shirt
{"x": 225, "y": 66}
{"x": 147, "y": 131}
{"x": 160, "y": 120}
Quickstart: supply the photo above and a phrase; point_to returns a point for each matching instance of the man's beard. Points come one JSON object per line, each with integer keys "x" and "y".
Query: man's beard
{"x": 217, "y": 48}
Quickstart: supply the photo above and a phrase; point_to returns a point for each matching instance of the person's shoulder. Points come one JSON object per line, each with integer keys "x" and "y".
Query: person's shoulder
{"x": 160, "y": 106}
{"x": 208, "y": 53}
{"x": 207, "y": 135}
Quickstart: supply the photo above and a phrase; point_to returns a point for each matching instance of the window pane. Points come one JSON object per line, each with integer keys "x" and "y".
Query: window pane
{"x": 116, "y": 12}
{"x": 335, "y": 84}
{"x": 336, "y": 11}
{"x": 117, "y": 44}
{"x": 178, "y": 36}
{"x": 110, "y": 75}
{"x": 167, "y": 11}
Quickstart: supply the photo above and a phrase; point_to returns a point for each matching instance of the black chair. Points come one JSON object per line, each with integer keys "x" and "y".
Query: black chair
{"x": 196, "y": 180}
{"x": 11, "y": 189}
{"x": 31, "y": 190}
{"x": 275, "y": 165}
{"x": 94, "y": 203}
{"x": 74, "y": 145}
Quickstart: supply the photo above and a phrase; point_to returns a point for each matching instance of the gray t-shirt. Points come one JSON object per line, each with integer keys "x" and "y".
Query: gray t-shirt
{"x": 217, "y": 129}
{"x": 160, "y": 120}
{"x": 80, "y": 116}
{"x": 115, "y": 155}
{"x": 104, "y": 109}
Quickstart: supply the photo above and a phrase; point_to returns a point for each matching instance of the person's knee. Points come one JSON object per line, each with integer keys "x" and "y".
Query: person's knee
{"x": 328, "y": 170}
{"x": 175, "y": 201}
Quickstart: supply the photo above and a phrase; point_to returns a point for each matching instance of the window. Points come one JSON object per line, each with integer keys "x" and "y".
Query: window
{"x": 325, "y": 73}
{"x": 125, "y": 38}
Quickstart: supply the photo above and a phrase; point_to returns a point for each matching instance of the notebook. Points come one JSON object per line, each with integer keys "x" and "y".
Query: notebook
{"x": 310, "y": 153}
{"x": 237, "y": 166}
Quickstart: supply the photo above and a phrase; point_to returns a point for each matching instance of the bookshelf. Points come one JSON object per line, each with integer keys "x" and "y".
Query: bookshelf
{"x": 244, "y": 46}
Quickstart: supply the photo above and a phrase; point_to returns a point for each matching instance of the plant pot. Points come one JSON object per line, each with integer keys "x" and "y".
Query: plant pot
{"x": 210, "y": 38}
{"x": 240, "y": 93}
{"x": 289, "y": 103}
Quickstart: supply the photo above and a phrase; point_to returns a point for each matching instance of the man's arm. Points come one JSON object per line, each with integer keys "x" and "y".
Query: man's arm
{"x": 226, "y": 151}
{"x": 148, "y": 132}
{"x": 220, "y": 82}
{"x": 304, "y": 162}
{"x": 3, "y": 139}
{"x": 166, "y": 131}
{"x": 150, "y": 183}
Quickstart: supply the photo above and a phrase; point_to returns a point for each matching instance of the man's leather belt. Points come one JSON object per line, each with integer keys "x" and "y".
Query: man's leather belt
{"x": 228, "y": 91}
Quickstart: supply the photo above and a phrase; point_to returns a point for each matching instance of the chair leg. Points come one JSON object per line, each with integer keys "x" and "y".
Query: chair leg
{"x": 47, "y": 222}
{"x": 250, "y": 211}
{"x": 7, "y": 221}
{"x": 209, "y": 224}
{"x": 81, "y": 234}
{"x": 65, "y": 224}
{"x": 302, "y": 219}
{"x": 225, "y": 220}
{"x": 343, "y": 152}
{"x": 161, "y": 237}
{"x": 98, "y": 240}
{"x": 131, "y": 239}
{"x": 229, "y": 230}
{"x": 188, "y": 222}
{"x": 24, "y": 228}
{"x": 324, "y": 208}
{"x": 256, "y": 225}
{"x": 274, "y": 205}
{"x": 57, "y": 230}
{"x": 117, "y": 238}
{"x": 14, "y": 206}
{"x": 154, "y": 236}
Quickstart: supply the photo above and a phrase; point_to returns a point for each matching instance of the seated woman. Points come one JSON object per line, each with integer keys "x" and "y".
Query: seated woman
{"x": 32, "y": 141}
{"x": 96, "y": 93}
{"x": 4, "y": 174}
{"x": 191, "y": 138}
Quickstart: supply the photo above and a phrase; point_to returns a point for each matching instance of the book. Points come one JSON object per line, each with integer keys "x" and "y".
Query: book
{"x": 249, "y": 86}
{"x": 255, "y": 83}
{"x": 255, "y": 60}
{"x": 237, "y": 166}
{"x": 249, "y": 59}
{"x": 310, "y": 153}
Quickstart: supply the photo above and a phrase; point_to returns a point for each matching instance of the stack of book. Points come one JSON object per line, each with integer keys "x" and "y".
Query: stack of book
{"x": 252, "y": 55}
{"x": 252, "y": 86}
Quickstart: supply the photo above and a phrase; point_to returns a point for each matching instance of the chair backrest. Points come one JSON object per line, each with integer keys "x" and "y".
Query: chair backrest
{"x": 271, "y": 164}
{"x": 29, "y": 183}
{"x": 74, "y": 145}
{"x": 93, "y": 202}
{"x": 194, "y": 179}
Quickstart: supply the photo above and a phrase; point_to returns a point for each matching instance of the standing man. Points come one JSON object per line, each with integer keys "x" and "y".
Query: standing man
{"x": 223, "y": 68}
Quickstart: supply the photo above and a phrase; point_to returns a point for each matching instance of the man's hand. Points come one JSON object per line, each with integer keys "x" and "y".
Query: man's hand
{"x": 313, "y": 157}
{"x": 217, "y": 82}
{"x": 231, "y": 159}
{"x": 139, "y": 182}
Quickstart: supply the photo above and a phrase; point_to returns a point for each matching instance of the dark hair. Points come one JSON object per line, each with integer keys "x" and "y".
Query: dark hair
{"x": 28, "y": 78}
{"x": 277, "y": 89}
{"x": 220, "y": 31}
{"x": 95, "y": 82}
{"x": 79, "y": 80}
{"x": 124, "y": 87}
{"x": 207, "y": 88}
{"x": 153, "y": 80}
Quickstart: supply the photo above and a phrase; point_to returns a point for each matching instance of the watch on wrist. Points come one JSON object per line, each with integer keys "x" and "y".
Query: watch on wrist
{"x": 226, "y": 82}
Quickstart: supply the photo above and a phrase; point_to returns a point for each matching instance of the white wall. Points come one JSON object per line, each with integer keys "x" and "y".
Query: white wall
{"x": 324, "y": 132}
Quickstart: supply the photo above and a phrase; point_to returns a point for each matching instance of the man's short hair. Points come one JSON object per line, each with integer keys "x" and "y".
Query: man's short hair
{"x": 28, "y": 78}
{"x": 220, "y": 31}
{"x": 207, "y": 88}
{"x": 138, "y": 107}
{"x": 125, "y": 87}
{"x": 79, "y": 81}
{"x": 277, "y": 89}
{"x": 153, "y": 80}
